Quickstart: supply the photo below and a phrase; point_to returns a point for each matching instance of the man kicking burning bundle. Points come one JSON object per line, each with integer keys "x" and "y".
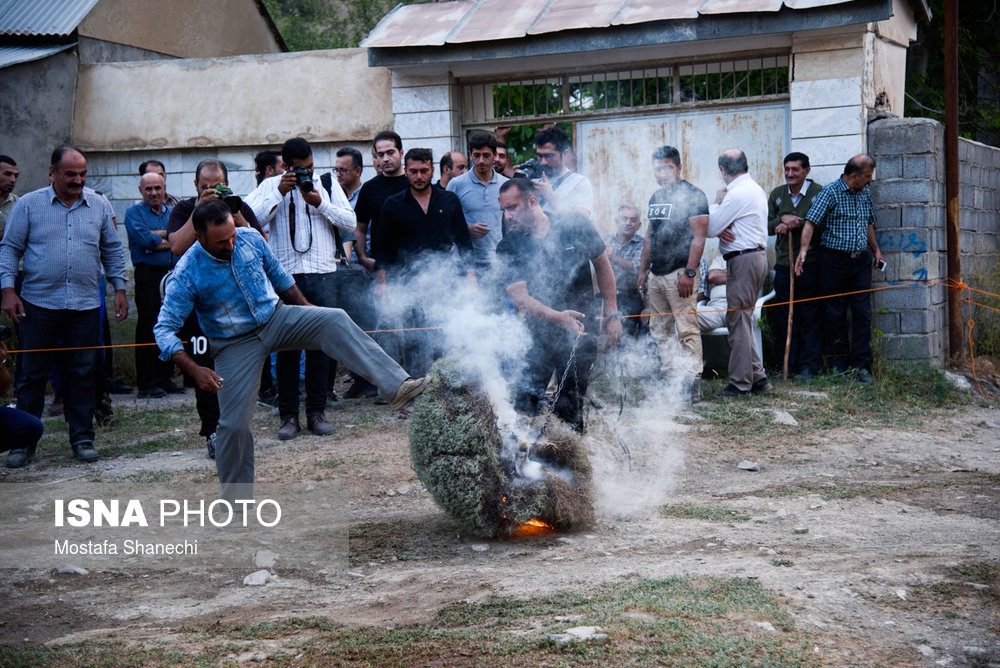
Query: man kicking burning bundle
{"x": 233, "y": 282}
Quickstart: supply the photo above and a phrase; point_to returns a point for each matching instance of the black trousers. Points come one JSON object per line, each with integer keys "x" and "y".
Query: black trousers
{"x": 149, "y": 368}
{"x": 843, "y": 273}
{"x": 43, "y": 329}
{"x": 206, "y": 403}
{"x": 806, "y": 347}
{"x": 630, "y": 304}
{"x": 321, "y": 290}
{"x": 552, "y": 349}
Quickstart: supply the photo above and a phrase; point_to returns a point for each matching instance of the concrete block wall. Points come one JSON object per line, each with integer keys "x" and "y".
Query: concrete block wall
{"x": 426, "y": 109}
{"x": 116, "y": 174}
{"x": 909, "y": 193}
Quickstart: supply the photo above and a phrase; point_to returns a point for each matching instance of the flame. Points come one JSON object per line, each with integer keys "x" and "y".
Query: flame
{"x": 534, "y": 527}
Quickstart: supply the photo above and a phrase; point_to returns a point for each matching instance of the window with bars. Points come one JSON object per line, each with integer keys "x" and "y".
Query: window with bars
{"x": 608, "y": 91}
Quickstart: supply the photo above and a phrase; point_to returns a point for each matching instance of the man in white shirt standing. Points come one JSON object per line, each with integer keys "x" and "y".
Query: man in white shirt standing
{"x": 301, "y": 218}
{"x": 560, "y": 189}
{"x": 739, "y": 218}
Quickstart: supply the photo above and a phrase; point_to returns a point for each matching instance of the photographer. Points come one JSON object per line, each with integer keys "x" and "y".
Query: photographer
{"x": 557, "y": 187}
{"x": 302, "y": 219}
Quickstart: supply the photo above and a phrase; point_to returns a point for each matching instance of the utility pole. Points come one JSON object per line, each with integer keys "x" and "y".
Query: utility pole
{"x": 955, "y": 345}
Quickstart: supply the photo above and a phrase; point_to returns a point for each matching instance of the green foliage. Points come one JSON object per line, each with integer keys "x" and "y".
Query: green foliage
{"x": 707, "y": 513}
{"x": 306, "y": 25}
{"x": 978, "y": 70}
{"x": 986, "y": 335}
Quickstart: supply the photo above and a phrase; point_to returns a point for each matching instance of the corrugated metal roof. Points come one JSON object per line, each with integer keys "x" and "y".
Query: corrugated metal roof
{"x": 438, "y": 23}
{"x": 42, "y": 17}
{"x": 14, "y": 55}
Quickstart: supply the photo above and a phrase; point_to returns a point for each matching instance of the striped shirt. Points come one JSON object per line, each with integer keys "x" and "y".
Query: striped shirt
{"x": 843, "y": 216}
{"x": 64, "y": 249}
{"x": 314, "y": 250}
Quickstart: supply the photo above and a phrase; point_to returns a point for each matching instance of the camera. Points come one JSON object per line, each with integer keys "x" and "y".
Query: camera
{"x": 231, "y": 199}
{"x": 532, "y": 169}
{"x": 303, "y": 179}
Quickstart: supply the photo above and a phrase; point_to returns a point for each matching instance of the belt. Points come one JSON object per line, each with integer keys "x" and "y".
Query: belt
{"x": 850, "y": 254}
{"x": 730, "y": 255}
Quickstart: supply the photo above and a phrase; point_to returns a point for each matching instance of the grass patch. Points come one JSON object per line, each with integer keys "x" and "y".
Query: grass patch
{"x": 782, "y": 562}
{"x": 833, "y": 492}
{"x": 706, "y": 513}
{"x": 675, "y": 621}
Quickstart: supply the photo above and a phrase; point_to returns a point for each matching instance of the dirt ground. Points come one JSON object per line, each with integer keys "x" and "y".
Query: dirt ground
{"x": 863, "y": 533}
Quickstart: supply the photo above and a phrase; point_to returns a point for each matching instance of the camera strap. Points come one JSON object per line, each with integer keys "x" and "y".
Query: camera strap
{"x": 291, "y": 223}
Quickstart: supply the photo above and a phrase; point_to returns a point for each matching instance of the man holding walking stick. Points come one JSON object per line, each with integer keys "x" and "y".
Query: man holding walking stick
{"x": 801, "y": 329}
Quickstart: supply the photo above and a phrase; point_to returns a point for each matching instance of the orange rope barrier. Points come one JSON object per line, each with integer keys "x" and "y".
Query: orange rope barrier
{"x": 972, "y": 355}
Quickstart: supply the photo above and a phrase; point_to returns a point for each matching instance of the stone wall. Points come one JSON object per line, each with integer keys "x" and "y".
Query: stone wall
{"x": 909, "y": 193}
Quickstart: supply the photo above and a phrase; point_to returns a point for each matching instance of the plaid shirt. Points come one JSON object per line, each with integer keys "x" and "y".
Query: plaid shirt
{"x": 631, "y": 250}
{"x": 843, "y": 216}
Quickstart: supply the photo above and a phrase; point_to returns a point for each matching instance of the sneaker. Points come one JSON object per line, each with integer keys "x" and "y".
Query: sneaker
{"x": 19, "y": 457}
{"x": 56, "y": 408}
{"x": 85, "y": 452}
{"x": 410, "y": 389}
{"x": 289, "y": 429}
{"x": 151, "y": 392}
{"x": 210, "y": 444}
{"x": 170, "y": 387}
{"x": 864, "y": 376}
{"x": 761, "y": 386}
{"x": 804, "y": 375}
{"x": 731, "y": 390}
{"x": 318, "y": 425}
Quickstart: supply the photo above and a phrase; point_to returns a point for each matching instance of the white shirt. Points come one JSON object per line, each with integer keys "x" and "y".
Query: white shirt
{"x": 745, "y": 209}
{"x": 314, "y": 250}
{"x": 573, "y": 192}
{"x": 796, "y": 198}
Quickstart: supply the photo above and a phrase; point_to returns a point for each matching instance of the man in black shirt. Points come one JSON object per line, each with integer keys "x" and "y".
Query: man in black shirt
{"x": 180, "y": 236}
{"x": 420, "y": 224}
{"x": 388, "y": 152}
{"x": 548, "y": 258}
{"x": 675, "y": 239}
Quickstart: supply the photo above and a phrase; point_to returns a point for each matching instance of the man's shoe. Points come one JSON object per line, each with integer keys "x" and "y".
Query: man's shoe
{"x": 210, "y": 444}
{"x": 85, "y": 452}
{"x": 19, "y": 457}
{"x": 268, "y": 398}
{"x": 170, "y": 387}
{"x": 410, "y": 389}
{"x": 361, "y": 388}
{"x": 332, "y": 400}
{"x": 56, "y": 408}
{"x": 762, "y": 386}
{"x": 731, "y": 391}
{"x": 864, "y": 376}
{"x": 289, "y": 429}
{"x": 151, "y": 392}
{"x": 117, "y": 386}
{"x": 318, "y": 425}
{"x": 804, "y": 375}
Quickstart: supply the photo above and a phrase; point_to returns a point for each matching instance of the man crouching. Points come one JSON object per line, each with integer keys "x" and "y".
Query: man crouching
{"x": 231, "y": 279}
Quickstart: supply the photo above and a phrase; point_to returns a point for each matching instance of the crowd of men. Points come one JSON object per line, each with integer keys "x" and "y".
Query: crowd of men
{"x": 304, "y": 267}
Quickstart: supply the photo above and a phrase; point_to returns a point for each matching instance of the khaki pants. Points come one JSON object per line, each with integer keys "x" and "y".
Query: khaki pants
{"x": 670, "y": 330}
{"x": 745, "y": 276}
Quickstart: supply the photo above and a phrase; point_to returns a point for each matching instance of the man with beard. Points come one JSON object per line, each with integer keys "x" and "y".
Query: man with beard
{"x": 421, "y": 228}
{"x": 549, "y": 257}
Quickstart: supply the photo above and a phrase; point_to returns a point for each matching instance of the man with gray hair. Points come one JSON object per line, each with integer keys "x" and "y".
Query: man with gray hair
{"x": 739, "y": 218}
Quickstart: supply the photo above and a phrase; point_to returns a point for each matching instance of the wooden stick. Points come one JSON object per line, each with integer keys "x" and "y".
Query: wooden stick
{"x": 791, "y": 304}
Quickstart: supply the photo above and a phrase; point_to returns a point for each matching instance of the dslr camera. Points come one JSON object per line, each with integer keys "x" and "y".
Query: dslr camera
{"x": 532, "y": 169}
{"x": 227, "y": 195}
{"x": 303, "y": 179}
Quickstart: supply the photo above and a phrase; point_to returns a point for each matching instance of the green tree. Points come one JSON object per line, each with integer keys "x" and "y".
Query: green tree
{"x": 327, "y": 24}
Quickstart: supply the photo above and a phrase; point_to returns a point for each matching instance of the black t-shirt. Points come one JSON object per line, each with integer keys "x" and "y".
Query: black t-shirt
{"x": 373, "y": 195}
{"x": 670, "y": 233}
{"x": 181, "y": 212}
{"x": 556, "y": 268}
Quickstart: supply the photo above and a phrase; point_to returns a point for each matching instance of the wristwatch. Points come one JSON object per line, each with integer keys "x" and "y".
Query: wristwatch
{"x": 690, "y": 273}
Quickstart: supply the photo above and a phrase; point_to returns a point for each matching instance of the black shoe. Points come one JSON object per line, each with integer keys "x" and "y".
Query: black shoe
{"x": 318, "y": 425}
{"x": 361, "y": 388}
{"x": 332, "y": 400}
{"x": 731, "y": 391}
{"x": 151, "y": 392}
{"x": 804, "y": 375}
{"x": 210, "y": 443}
{"x": 117, "y": 386}
{"x": 268, "y": 398}
{"x": 170, "y": 387}
{"x": 864, "y": 376}
{"x": 761, "y": 386}
{"x": 289, "y": 429}
{"x": 85, "y": 452}
{"x": 19, "y": 457}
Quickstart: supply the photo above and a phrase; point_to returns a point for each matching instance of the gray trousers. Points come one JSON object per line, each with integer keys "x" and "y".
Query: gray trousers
{"x": 239, "y": 360}
{"x": 745, "y": 276}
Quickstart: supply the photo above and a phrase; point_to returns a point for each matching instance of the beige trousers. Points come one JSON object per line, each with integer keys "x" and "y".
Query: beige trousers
{"x": 678, "y": 337}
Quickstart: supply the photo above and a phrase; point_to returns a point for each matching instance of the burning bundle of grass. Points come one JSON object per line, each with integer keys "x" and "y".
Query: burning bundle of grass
{"x": 496, "y": 477}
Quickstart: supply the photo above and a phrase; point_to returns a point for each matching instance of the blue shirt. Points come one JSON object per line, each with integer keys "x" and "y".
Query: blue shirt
{"x": 140, "y": 221}
{"x": 64, "y": 249}
{"x": 231, "y": 298}
{"x": 843, "y": 216}
{"x": 481, "y": 204}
